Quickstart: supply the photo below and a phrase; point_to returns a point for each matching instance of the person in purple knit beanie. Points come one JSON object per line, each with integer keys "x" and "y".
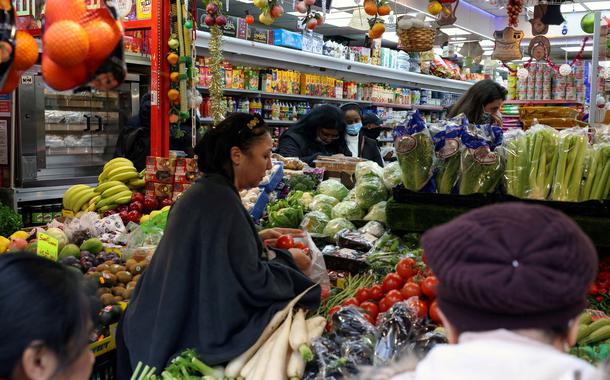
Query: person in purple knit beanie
{"x": 513, "y": 280}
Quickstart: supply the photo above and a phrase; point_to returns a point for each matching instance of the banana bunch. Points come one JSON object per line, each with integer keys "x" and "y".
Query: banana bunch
{"x": 79, "y": 198}
{"x": 137, "y": 183}
{"x": 118, "y": 169}
{"x": 111, "y": 194}
{"x": 590, "y": 332}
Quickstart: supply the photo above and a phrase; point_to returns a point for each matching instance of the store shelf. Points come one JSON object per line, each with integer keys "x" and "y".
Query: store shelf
{"x": 279, "y": 123}
{"x": 255, "y": 53}
{"x": 277, "y": 95}
{"x": 559, "y": 101}
{"x": 137, "y": 59}
{"x": 391, "y": 105}
{"x": 426, "y": 107}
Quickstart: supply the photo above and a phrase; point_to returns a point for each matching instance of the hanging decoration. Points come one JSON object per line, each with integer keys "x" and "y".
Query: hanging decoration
{"x": 447, "y": 15}
{"x": 376, "y": 8}
{"x": 539, "y": 27}
{"x": 217, "y": 101}
{"x": 552, "y": 15}
{"x": 565, "y": 70}
{"x": 312, "y": 18}
{"x": 514, "y": 8}
{"x": 587, "y": 22}
{"x": 270, "y": 10}
{"x": 249, "y": 18}
{"x": 600, "y": 102}
{"x": 508, "y": 43}
{"x": 539, "y": 48}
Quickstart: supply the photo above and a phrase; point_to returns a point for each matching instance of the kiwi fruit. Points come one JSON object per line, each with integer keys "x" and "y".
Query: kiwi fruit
{"x": 102, "y": 268}
{"x": 124, "y": 276}
{"x": 102, "y": 291}
{"x": 139, "y": 268}
{"x": 136, "y": 278}
{"x": 107, "y": 299}
{"x": 129, "y": 293}
{"x": 115, "y": 268}
{"x": 130, "y": 262}
{"x": 131, "y": 285}
{"x": 118, "y": 291}
{"x": 118, "y": 299}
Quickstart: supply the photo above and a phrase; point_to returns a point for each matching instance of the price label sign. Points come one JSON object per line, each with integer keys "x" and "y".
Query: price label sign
{"x": 47, "y": 246}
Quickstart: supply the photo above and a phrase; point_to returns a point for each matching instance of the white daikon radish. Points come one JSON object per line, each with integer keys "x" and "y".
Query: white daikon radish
{"x": 296, "y": 366}
{"x": 247, "y": 370}
{"x": 315, "y": 327}
{"x": 299, "y": 337}
{"x": 234, "y": 367}
{"x": 276, "y": 368}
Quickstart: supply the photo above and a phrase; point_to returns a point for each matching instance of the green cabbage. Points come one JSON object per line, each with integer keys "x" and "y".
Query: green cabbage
{"x": 287, "y": 217}
{"x": 333, "y": 188}
{"x": 351, "y": 196}
{"x": 377, "y": 212}
{"x": 314, "y": 222}
{"x": 348, "y": 210}
{"x": 370, "y": 190}
{"x": 336, "y": 225}
{"x": 392, "y": 176}
{"x": 367, "y": 167}
{"x": 324, "y": 203}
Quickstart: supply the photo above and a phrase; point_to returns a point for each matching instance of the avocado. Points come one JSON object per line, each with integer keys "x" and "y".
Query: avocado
{"x": 92, "y": 245}
{"x": 70, "y": 250}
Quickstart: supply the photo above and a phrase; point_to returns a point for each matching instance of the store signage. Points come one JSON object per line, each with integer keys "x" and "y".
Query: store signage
{"x": 27, "y": 80}
{"x": 47, "y": 246}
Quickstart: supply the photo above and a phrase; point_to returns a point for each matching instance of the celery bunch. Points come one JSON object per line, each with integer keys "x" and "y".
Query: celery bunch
{"x": 597, "y": 183}
{"x": 572, "y": 151}
{"x": 542, "y": 158}
{"x": 515, "y": 153}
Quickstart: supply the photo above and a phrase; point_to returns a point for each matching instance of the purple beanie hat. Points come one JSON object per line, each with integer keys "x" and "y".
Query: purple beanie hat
{"x": 512, "y": 266}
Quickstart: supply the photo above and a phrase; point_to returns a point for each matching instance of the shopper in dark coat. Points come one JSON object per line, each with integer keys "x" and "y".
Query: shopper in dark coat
{"x": 134, "y": 138}
{"x": 319, "y": 133}
{"x": 362, "y": 141}
{"x": 210, "y": 285}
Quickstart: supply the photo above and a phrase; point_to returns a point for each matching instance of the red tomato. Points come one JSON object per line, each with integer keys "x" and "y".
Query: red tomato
{"x": 370, "y": 309}
{"x": 434, "y": 315}
{"x": 428, "y": 286}
{"x": 406, "y": 268}
{"x": 350, "y": 301}
{"x": 410, "y": 289}
{"x": 391, "y": 281}
{"x": 300, "y": 245}
{"x": 384, "y": 305}
{"x": 285, "y": 242}
{"x": 333, "y": 310}
{"x": 369, "y": 318}
{"x": 376, "y": 292}
{"x": 363, "y": 294}
{"x": 394, "y": 296}
{"x": 324, "y": 293}
{"x": 418, "y": 306}
{"x": 593, "y": 290}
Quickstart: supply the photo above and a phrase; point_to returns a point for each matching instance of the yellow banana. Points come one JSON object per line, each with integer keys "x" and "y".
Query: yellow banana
{"x": 123, "y": 177}
{"x": 107, "y": 185}
{"x": 83, "y": 198}
{"x": 123, "y": 200}
{"x": 114, "y": 190}
{"x": 116, "y": 160}
{"x": 69, "y": 193}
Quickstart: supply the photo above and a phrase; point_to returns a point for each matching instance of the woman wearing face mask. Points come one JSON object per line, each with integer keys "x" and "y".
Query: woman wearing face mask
{"x": 481, "y": 103}
{"x": 319, "y": 133}
{"x": 362, "y": 142}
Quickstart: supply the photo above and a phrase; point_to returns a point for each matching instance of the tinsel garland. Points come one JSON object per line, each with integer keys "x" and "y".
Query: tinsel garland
{"x": 217, "y": 102}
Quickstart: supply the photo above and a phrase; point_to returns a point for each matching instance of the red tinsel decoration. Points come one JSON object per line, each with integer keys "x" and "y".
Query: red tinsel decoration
{"x": 552, "y": 64}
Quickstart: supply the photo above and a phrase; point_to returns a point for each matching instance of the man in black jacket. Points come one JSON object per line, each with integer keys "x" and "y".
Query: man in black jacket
{"x": 362, "y": 136}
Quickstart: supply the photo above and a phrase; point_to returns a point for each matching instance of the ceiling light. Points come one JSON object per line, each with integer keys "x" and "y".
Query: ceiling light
{"x": 454, "y": 31}
{"x": 338, "y": 16}
{"x": 343, "y": 4}
{"x": 597, "y": 5}
{"x": 390, "y": 36}
{"x": 459, "y": 39}
{"x": 575, "y": 49}
{"x": 246, "y": 1}
{"x": 485, "y": 43}
{"x": 342, "y": 23}
{"x": 573, "y": 7}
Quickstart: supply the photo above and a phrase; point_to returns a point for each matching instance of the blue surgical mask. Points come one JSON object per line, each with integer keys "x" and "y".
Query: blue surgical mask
{"x": 353, "y": 129}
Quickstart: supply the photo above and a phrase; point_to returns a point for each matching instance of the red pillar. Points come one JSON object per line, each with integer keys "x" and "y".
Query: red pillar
{"x": 159, "y": 81}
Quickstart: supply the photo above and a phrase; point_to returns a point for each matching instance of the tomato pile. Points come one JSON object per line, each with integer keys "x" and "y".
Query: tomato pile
{"x": 288, "y": 242}
{"x": 410, "y": 282}
{"x": 599, "y": 292}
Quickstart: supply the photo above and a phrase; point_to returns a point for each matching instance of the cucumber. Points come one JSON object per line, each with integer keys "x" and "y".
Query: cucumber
{"x": 598, "y": 335}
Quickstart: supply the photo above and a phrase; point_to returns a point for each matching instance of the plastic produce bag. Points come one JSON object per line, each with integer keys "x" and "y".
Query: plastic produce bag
{"x": 572, "y": 150}
{"x": 348, "y": 323}
{"x": 317, "y": 270}
{"x": 597, "y": 182}
{"x": 328, "y": 363}
{"x": 370, "y": 190}
{"x": 323, "y": 203}
{"x": 377, "y": 212}
{"x": 8, "y": 74}
{"x": 481, "y": 169}
{"x": 348, "y": 210}
{"x": 414, "y": 149}
{"x": 447, "y": 145}
{"x": 368, "y": 167}
{"x": 336, "y": 225}
{"x": 351, "y": 195}
{"x": 80, "y": 229}
{"x": 358, "y": 241}
{"x": 333, "y": 188}
{"x": 314, "y": 222}
{"x": 373, "y": 228}
{"x": 514, "y": 151}
{"x": 392, "y": 176}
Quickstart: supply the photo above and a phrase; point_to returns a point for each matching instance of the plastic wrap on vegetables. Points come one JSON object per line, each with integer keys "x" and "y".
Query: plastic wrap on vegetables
{"x": 328, "y": 363}
{"x": 355, "y": 240}
{"x": 348, "y": 210}
{"x": 392, "y": 175}
{"x": 398, "y": 331}
{"x": 424, "y": 343}
{"x": 377, "y": 212}
{"x": 481, "y": 169}
{"x": 368, "y": 167}
{"x": 359, "y": 351}
{"x": 514, "y": 150}
{"x": 351, "y": 195}
{"x": 348, "y": 323}
{"x": 573, "y": 144}
{"x": 414, "y": 149}
{"x": 336, "y": 225}
{"x": 542, "y": 142}
{"x": 323, "y": 203}
{"x": 597, "y": 182}
{"x": 373, "y": 228}
{"x": 447, "y": 145}
{"x": 314, "y": 222}
{"x": 370, "y": 190}
{"x": 334, "y": 188}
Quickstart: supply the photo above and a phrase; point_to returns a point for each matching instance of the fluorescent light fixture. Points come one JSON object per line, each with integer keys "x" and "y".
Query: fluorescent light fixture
{"x": 572, "y": 7}
{"x": 454, "y": 31}
{"x": 343, "y": 4}
{"x": 575, "y": 49}
{"x": 344, "y": 22}
{"x": 338, "y": 16}
{"x": 487, "y": 43}
{"x": 459, "y": 39}
{"x": 246, "y": 1}
{"x": 597, "y": 5}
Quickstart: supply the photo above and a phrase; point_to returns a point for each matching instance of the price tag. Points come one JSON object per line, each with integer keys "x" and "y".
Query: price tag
{"x": 47, "y": 246}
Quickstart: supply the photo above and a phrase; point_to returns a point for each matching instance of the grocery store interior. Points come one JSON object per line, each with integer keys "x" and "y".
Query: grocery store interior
{"x": 428, "y": 169}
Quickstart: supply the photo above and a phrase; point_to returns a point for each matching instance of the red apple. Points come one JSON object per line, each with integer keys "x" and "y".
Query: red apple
{"x": 134, "y": 216}
{"x": 124, "y": 216}
{"x": 212, "y": 9}
{"x": 277, "y": 11}
{"x": 122, "y": 208}
{"x": 312, "y": 23}
{"x": 136, "y": 206}
{"x": 18, "y": 244}
{"x": 167, "y": 202}
{"x": 301, "y": 7}
{"x": 137, "y": 197}
{"x": 109, "y": 213}
{"x": 151, "y": 204}
{"x": 209, "y": 20}
{"x": 221, "y": 20}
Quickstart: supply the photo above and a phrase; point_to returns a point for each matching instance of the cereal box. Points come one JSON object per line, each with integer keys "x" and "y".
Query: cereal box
{"x": 186, "y": 170}
{"x": 160, "y": 169}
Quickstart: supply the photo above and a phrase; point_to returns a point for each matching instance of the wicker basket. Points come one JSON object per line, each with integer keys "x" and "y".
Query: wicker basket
{"x": 415, "y": 40}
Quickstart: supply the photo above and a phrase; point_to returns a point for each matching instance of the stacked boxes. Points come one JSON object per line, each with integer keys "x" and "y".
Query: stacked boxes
{"x": 185, "y": 174}
{"x": 160, "y": 172}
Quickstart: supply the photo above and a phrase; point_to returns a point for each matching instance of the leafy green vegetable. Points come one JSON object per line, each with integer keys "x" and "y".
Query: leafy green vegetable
{"x": 324, "y": 203}
{"x": 333, "y": 188}
{"x": 314, "y": 222}
{"x": 370, "y": 190}
{"x": 448, "y": 174}
{"x": 392, "y": 175}
{"x": 336, "y": 225}
{"x": 448, "y": 145}
{"x": 377, "y": 212}
{"x": 289, "y": 217}
{"x": 348, "y": 210}
{"x": 10, "y": 221}
{"x": 481, "y": 169}
{"x": 388, "y": 251}
{"x": 187, "y": 366}
{"x": 366, "y": 168}
{"x": 597, "y": 183}
{"x": 570, "y": 165}
{"x": 303, "y": 182}
{"x": 415, "y": 150}
{"x": 351, "y": 196}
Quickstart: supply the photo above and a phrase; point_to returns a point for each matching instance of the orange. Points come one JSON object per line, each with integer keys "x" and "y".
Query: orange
{"x": 11, "y": 82}
{"x": 62, "y": 78}
{"x": 175, "y": 76}
{"x": 103, "y": 39}
{"x": 370, "y": 8}
{"x": 66, "y": 43}
{"x": 384, "y": 10}
{"x": 26, "y": 51}
{"x": 377, "y": 30}
{"x": 173, "y": 94}
{"x": 57, "y": 10}
{"x": 172, "y": 58}
{"x": 434, "y": 8}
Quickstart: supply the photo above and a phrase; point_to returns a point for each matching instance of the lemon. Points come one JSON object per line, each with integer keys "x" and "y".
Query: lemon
{"x": 4, "y": 243}
{"x": 144, "y": 219}
{"x": 19, "y": 235}
{"x": 435, "y": 8}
